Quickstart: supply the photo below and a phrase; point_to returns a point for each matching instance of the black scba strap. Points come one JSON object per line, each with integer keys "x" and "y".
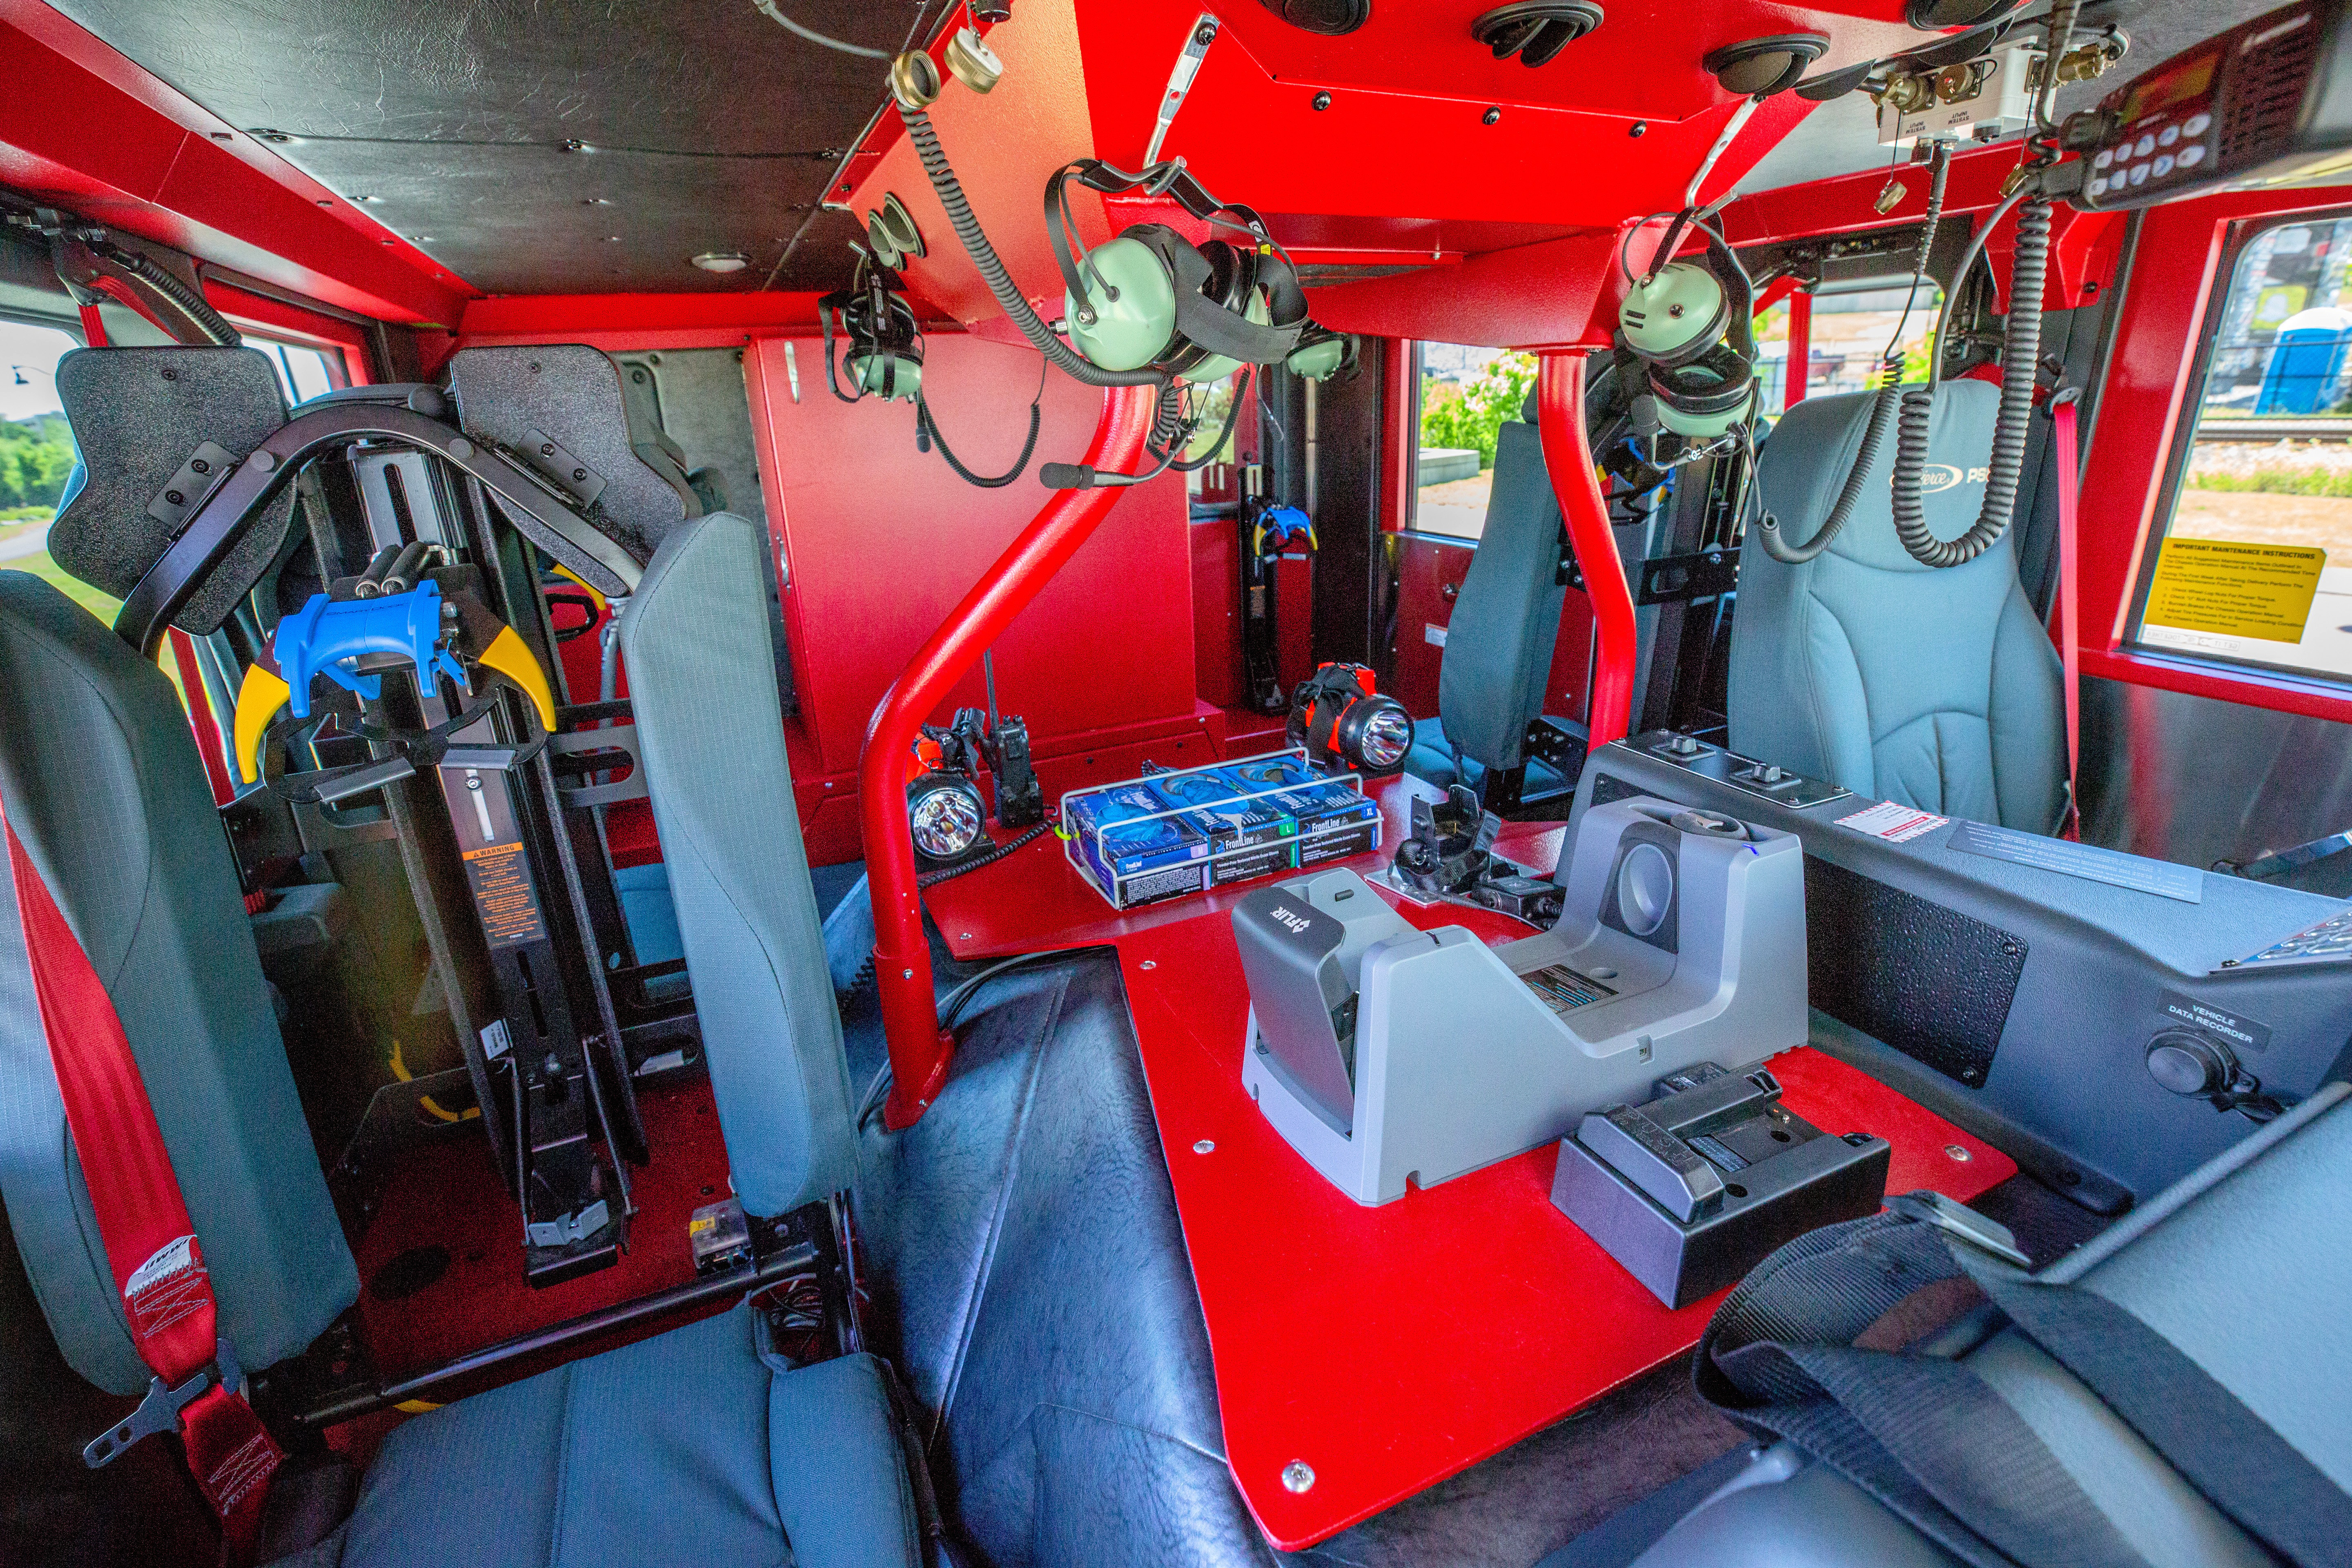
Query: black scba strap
{"x": 1213, "y": 282}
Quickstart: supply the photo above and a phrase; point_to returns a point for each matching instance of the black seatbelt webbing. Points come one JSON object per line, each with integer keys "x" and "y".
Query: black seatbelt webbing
{"x": 1932, "y": 1441}
{"x": 1925, "y": 1435}
{"x": 2232, "y": 1457}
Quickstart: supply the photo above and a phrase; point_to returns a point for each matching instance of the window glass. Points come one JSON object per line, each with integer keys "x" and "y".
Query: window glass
{"x": 1466, "y": 393}
{"x": 37, "y": 453}
{"x": 1851, "y": 329}
{"x": 2254, "y": 561}
{"x": 302, "y": 373}
{"x": 1215, "y": 484}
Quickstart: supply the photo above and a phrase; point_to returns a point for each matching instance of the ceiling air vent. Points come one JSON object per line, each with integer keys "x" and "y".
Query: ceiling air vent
{"x": 1329, "y": 17}
{"x": 1535, "y": 30}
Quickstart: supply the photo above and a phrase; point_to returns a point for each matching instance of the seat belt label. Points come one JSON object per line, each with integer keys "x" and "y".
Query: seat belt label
{"x": 172, "y": 1284}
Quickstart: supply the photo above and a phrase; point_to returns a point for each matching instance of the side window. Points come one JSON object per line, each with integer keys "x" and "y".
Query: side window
{"x": 303, "y": 372}
{"x": 37, "y": 453}
{"x": 1851, "y": 331}
{"x": 1215, "y": 485}
{"x": 2252, "y": 561}
{"x": 1466, "y": 393}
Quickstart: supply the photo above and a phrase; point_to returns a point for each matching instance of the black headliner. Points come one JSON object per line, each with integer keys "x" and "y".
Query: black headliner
{"x": 706, "y": 126}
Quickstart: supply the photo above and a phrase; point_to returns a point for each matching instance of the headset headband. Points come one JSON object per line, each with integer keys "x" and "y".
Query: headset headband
{"x": 1200, "y": 319}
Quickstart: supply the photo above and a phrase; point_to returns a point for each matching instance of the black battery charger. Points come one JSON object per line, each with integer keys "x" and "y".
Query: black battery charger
{"x": 1695, "y": 1188}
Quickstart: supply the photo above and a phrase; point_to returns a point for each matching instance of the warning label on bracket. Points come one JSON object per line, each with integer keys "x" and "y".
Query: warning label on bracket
{"x": 504, "y": 894}
{"x": 2236, "y": 589}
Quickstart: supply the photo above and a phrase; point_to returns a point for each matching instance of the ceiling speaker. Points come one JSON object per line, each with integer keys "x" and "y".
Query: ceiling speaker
{"x": 1760, "y": 67}
{"x": 1535, "y": 30}
{"x": 1935, "y": 16}
{"x": 1329, "y": 17}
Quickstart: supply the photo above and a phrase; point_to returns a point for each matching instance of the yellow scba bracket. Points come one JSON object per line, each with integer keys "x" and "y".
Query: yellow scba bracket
{"x": 508, "y": 657}
{"x": 259, "y": 698}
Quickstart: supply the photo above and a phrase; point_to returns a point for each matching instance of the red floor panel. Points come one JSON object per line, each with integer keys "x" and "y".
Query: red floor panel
{"x": 1389, "y": 1348}
{"x": 449, "y": 1195}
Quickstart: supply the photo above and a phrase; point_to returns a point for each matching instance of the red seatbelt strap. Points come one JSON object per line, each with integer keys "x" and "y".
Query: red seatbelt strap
{"x": 2070, "y": 629}
{"x": 150, "y": 1243}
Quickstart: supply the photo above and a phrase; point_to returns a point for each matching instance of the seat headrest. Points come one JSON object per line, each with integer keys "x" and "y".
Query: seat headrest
{"x": 139, "y": 416}
{"x": 1801, "y": 470}
{"x": 546, "y": 403}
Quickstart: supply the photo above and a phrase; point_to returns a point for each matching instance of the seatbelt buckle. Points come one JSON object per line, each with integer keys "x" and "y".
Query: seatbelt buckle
{"x": 159, "y": 1410}
{"x": 1958, "y": 1220}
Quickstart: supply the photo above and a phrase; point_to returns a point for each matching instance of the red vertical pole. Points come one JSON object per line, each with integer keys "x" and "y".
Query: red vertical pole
{"x": 1801, "y": 350}
{"x": 919, "y": 1048}
{"x": 1559, "y": 412}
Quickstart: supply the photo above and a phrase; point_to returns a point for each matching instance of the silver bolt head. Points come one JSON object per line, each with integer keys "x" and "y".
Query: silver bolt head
{"x": 1296, "y": 1477}
{"x": 1959, "y": 1152}
{"x": 1206, "y": 1146}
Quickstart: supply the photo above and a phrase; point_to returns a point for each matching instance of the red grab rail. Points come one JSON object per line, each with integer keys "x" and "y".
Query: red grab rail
{"x": 919, "y": 1048}
{"x": 1559, "y": 412}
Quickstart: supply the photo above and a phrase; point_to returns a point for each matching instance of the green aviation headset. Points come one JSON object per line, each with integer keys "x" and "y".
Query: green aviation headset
{"x": 1690, "y": 327}
{"x": 1151, "y": 299}
{"x": 886, "y": 344}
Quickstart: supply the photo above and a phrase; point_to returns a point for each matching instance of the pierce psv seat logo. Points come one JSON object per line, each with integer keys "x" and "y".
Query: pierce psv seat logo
{"x": 1934, "y": 476}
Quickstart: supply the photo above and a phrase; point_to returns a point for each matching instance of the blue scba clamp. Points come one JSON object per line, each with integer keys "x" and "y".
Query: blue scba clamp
{"x": 1279, "y": 527}
{"x": 326, "y": 636}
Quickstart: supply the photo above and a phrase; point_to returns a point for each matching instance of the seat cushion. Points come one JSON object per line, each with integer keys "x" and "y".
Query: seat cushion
{"x": 1431, "y": 760}
{"x": 684, "y": 1449}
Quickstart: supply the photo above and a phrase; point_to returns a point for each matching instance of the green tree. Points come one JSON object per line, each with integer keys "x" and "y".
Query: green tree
{"x": 36, "y": 456}
{"x": 1470, "y": 413}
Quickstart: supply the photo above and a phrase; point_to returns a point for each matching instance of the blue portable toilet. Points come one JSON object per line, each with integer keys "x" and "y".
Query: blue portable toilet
{"x": 2306, "y": 358}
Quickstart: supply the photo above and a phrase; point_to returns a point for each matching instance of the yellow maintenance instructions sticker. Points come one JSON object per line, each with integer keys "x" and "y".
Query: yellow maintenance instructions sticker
{"x": 2236, "y": 589}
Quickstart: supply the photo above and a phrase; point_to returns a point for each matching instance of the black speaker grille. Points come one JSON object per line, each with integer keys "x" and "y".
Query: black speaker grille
{"x": 1929, "y": 980}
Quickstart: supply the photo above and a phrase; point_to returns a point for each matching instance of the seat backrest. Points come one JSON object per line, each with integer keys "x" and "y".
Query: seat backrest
{"x": 1934, "y": 688}
{"x": 138, "y": 416}
{"x": 102, "y": 783}
{"x": 711, "y": 730}
{"x": 1498, "y": 643}
{"x": 570, "y": 395}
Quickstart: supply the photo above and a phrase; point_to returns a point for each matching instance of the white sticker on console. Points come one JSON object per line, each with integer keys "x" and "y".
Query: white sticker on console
{"x": 1895, "y": 824}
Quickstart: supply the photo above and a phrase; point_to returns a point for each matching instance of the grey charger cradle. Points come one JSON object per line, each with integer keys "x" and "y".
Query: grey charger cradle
{"x": 1389, "y": 1056}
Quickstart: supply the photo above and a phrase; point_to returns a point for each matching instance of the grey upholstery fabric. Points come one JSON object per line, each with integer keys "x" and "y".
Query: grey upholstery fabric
{"x": 104, "y": 786}
{"x": 1498, "y": 644}
{"x": 2248, "y": 1277}
{"x": 1934, "y": 688}
{"x": 684, "y": 1449}
{"x": 1431, "y": 760}
{"x": 570, "y": 395}
{"x": 694, "y": 639}
{"x": 138, "y": 415}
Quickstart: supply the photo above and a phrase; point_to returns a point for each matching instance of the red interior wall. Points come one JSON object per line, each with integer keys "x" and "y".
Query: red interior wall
{"x": 880, "y": 540}
{"x": 1217, "y": 670}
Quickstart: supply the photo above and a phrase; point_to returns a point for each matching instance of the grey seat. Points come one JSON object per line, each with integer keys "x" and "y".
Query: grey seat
{"x": 2241, "y": 1266}
{"x": 1935, "y": 689}
{"x": 104, "y": 789}
{"x": 688, "y": 1446}
{"x": 1500, "y": 641}
{"x": 711, "y": 730}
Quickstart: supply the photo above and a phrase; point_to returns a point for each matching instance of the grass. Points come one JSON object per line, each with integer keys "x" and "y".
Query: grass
{"x": 102, "y": 605}
{"x": 2335, "y": 483}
